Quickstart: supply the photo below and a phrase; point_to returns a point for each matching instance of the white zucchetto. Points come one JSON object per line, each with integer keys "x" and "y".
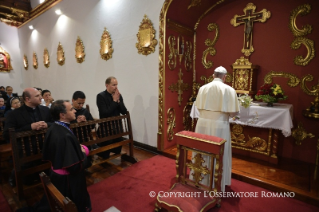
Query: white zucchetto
{"x": 221, "y": 69}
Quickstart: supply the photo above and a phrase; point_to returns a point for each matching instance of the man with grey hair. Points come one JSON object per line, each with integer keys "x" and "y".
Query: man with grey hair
{"x": 216, "y": 102}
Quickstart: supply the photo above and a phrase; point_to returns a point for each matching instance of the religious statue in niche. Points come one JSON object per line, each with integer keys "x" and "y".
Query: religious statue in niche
{"x": 5, "y": 62}
{"x": 248, "y": 20}
{"x": 106, "y": 50}
{"x": 79, "y": 50}
{"x": 146, "y": 41}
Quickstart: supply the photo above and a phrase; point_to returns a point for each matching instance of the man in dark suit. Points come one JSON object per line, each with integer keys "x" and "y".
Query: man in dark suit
{"x": 30, "y": 116}
{"x": 110, "y": 103}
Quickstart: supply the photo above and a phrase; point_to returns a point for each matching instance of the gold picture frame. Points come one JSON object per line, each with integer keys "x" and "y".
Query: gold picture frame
{"x": 146, "y": 41}
{"x": 35, "y": 60}
{"x": 106, "y": 49}
{"x": 5, "y": 61}
{"x": 25, "y": 62}
{"x": 60, "y": 55}
{"x": 46, "y": 58}
{"x": 79, "y": 50}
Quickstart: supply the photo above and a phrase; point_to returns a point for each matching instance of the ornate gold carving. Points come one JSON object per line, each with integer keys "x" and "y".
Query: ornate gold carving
{"x": 229, "y": 78}
{"x": 248, "y": 19}
{"x": 79, "y": 50}
{"x": 300, "y": 134}
{"x": 206, "y": 12}
{"x": 46, "y": 58}
{"x": 313, "y": 110}
{"x": 207, "y": 80}
{"x": 35, "y": 60}
{"x": 309, "y": 44}
{"x": 198, "y": 168}
{"x": 172, "y": 53}
{"x": 22, "y": 14}
{"x": 200, "y": 139}
{"x": 242, "y": 62}
{"x": 11, "y": 22}
{"x": 292, "y": 82}
{"x": 60, "y": 55}
{"x": 180, "y": 86}
{"x": 194, "y": 3}
{"x": 146, "y": 41}
{"x": 106, "y": 49}
{"x": 25, "y": 62}
{"x": 5, "y": 61}
{"x": 171, "y": 123}
{"x": 274, "y": 144}
{"x": 254, "y": 144}
{"x": 210, "y": 43}
{"x": 188, "y": 59}
{"x": 242, "y": 79}
{"x": 302, "y": 10}
{"x": 187, "y": 120}
{"x": 180, "y": 29}
{"x": 177, "y": 162}
{"x": 161, "y": 81}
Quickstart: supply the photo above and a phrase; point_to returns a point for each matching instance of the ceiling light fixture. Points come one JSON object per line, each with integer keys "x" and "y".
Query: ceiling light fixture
{"x": 31, "y": 27}
{"x": 58, "y": 12}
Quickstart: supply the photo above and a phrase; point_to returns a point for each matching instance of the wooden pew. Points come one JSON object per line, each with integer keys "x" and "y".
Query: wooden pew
{"x": 56, "y": 200}
{"x": 104, "y": 130}
{"x": 87, "y": 131}
{"x": 26, "y": 149}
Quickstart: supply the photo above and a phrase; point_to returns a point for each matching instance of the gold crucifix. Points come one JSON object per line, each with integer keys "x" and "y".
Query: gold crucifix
{"x": 248, "y": 19}
{"x": 180, "y": 86}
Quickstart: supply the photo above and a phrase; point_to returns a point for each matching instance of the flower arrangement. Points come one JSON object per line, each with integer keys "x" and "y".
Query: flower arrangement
{"x": 245, "y": 100}
{"x": 270, "y": 93}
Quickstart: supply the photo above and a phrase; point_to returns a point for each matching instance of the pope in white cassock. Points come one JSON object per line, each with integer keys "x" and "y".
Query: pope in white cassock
{"x": 216, "y": 102}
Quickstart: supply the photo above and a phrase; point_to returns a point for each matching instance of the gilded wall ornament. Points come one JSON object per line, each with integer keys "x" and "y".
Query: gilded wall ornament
{"x": 198, "y": 168}
{"x": 79, "y": 50}
{"x": 60, "y": 55}
{"x": 46, "y": 58}
{"x": 301, "y": 10}
{"x": 179, "y": 87}
{"x": 309, "y": 44}
{"x": 25, "y": 62}
{"x": 292, "y": 82}
{"x": 313, "y": 110}
{"x": 35, "y": 60}
{"x": 248, "y": 20}
{"x": 207, "y": 80}
{"x": 172, "y": 53}
{"x": 229, "y": 78}
{"x": 171, "y": 123}
{"x": 300, "y": 134}
{"x": 5, "y": 61}
{"x": 146, "y": 41}
{"x": 210, "y": 44}
{"x": 194, "y": 3}
{"x": 106, "y": 49}
{"x": 188, "y": 52}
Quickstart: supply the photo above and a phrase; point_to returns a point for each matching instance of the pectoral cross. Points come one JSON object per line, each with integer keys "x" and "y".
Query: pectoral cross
{"x": 248, "y": 19}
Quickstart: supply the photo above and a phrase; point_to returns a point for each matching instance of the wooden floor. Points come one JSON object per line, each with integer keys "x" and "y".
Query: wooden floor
{"x": 93, "y": 175}
{"x": 289, "y": 175}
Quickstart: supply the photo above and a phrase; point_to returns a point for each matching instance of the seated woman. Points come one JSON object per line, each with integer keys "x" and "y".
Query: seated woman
{"x": 2, "y": 106}
{"x": 12, "y": 103}
{"x": 47, "y": 98}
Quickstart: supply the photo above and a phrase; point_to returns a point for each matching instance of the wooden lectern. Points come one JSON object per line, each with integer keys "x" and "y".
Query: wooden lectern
{"x": 188, "y": 194}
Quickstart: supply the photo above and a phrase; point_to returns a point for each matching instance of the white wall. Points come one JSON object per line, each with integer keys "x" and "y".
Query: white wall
{"x": 9, "y": 41}
{"x": 137, "y": 74}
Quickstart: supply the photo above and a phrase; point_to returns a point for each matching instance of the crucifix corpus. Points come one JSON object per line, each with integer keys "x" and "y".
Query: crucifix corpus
{"x": 248, "y": 19}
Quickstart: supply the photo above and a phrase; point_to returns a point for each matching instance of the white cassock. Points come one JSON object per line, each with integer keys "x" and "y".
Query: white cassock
{"x": 215, "y": 101}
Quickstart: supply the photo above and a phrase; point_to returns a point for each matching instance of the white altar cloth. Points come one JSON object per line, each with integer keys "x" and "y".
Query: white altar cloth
{"x": 277, "y": 117}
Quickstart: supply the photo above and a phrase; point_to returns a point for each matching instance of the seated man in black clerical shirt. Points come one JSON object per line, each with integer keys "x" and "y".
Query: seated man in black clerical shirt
{"x": 30, "y": 116}
{"x": 110, "y": 103}
{"x": 82, "y": 114}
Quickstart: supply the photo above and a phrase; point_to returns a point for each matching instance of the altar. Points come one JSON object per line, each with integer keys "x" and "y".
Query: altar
{"x": 255, "y": 133}
{"x": 256, "y": 130}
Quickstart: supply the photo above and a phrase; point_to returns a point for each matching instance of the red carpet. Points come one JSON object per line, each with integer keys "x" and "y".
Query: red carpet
{"x": 129, "y": 190}
{"x": 4, "y": 206}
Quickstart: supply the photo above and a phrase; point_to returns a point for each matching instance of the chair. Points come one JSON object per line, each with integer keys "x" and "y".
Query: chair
{"x": 202, "y": 197}
{"x": 56, "y": 200}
